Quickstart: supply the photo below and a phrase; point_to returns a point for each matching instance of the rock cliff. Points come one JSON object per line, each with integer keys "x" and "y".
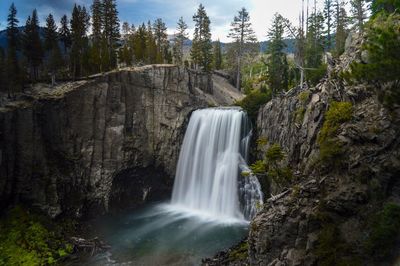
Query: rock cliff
{"x": 72, "y": 148}
{"x": 342, "y": 193}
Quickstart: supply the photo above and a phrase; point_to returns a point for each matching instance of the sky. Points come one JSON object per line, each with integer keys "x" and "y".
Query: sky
{"x": 221, "y": 12}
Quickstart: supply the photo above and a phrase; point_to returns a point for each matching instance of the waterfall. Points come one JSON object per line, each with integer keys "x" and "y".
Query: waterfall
{"x": 214, "y": 152}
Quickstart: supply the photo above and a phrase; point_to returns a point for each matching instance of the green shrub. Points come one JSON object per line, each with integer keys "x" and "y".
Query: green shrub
{"x": 239, "y": 252}
{"x": 384, "y": 232}
{"x": 24, "y": 240}
{"x": 253, "y": 101}
{"x": 303, "y": 97}
{"x": 259, "y": 168}
{"x": 274, "y": 154}
{"x": 330, "y": 150}
{"x": 338, "y": 113}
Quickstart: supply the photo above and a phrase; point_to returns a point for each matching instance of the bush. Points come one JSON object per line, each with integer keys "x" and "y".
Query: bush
{"x": 383, "y": 67}
{"x": 338, "y": 113}
{"x": 24, "y": 240}
{"x": 253, "y": 101}
{"x": 384, "y": 232}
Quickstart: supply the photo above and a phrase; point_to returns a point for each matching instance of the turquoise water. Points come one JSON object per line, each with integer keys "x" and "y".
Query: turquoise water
{"x": 162, "y": 234}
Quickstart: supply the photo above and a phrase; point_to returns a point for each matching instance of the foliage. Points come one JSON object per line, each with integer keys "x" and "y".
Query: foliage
{"x": 331, "y": 150}
{"x": 272, "y": 168}
{"x": 253, "y": 101}
{"x": 384, "y": 232}
{"x": 242, "y": 34}
{"x": 278, "y": 68}
{"x": 181, "y": 36}
{"x": 261, "y": 142}
{"x": 25, "y": 240}
{"x": 274, "y": 154}
{"x": 259, "y": 167}
{"x": 217, "y": 55}
{"x": 314, "y": 76}
{"x": 338, "y": 113}
{"x": 387, "y": 6}
{"x": 383, "y": 48}
{"x": 304, "y": 96}
{"x": 201, "y": 51}
{"x": 239, "y": 252}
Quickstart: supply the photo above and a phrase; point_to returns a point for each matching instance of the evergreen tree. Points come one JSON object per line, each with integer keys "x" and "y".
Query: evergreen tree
{"x": 201, "y": 51}
{"x": 341, "y": 28}
{"x": 139, "y": 44}
{"x": 32, "y": 45}
{"x": 359, "y": 13}
{"x": 111, "y": 30}
{"x": 329, "y": 22}
{"x": 13, "y": 71}
{"x": 97, "y": 36}
{"x": 241, "y": 32}
{"x": 161, "y": 38}
{"x": 151, "y": 52}
{"x": 180, "y": 38}
{"x": 64, "y": 33}
{"x": 51, "y": 46}
{"x": 3, "y": 79}
{"x": 79, "y": 27}
{"x": 276, "y": 61}
{"x": 314, "y": 46}
{"x": 217, "y": 55}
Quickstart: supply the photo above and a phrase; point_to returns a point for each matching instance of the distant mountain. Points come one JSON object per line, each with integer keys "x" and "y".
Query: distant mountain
{"x": 3, "y": 36}
{"x": 290, "y": 43}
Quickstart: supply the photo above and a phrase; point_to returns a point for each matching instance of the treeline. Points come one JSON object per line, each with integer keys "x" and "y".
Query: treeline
{"x": 69, "y": 51}
{"x": 320, "y": 32}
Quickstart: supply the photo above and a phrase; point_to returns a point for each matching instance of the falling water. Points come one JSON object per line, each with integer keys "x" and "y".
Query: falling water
{"x": 214, "y": 152}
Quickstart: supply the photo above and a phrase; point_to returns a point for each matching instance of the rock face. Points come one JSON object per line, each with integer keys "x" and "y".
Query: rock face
{"x": 61, "y": 151}
{"x": 325, "y": 216}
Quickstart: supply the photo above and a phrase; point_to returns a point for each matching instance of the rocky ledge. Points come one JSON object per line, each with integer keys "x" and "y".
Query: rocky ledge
{"x": 69, "y": 150}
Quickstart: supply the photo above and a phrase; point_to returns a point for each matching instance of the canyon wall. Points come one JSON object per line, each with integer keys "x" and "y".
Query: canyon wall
{"x": 61, "y": 149}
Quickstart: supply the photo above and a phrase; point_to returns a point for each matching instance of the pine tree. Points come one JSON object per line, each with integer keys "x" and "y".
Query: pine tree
{"x": 241, "y": 32}
{"x": 51, "y": 46}
{"x": 65, "y": 34}
{"x": 97, "y": 36}
{"x": 314, "y": 48}
{"x": 151, "y": 52}
{"x": 329, "y": 22}
{"x": 180, "y": 38}
{"x": 217, "y": 55}
{"x": 341, "y": 28}
{"x": 277, "y": 62}
{"x": 3, "y": 85}
{"x": 201, "y": 51}
{"x": 111, "y": 30}
{"x": 359, "y": 13}
{"x": 161, "y": 38}
{"x": 79, "y": 27}
{"x": 13, "y": 71}
{"x": 139, "y": 44}
{"x": 32, "y": 45}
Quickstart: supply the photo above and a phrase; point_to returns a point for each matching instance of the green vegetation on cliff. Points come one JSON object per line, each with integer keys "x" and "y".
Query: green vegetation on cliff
{"x": 27, "y": 239}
